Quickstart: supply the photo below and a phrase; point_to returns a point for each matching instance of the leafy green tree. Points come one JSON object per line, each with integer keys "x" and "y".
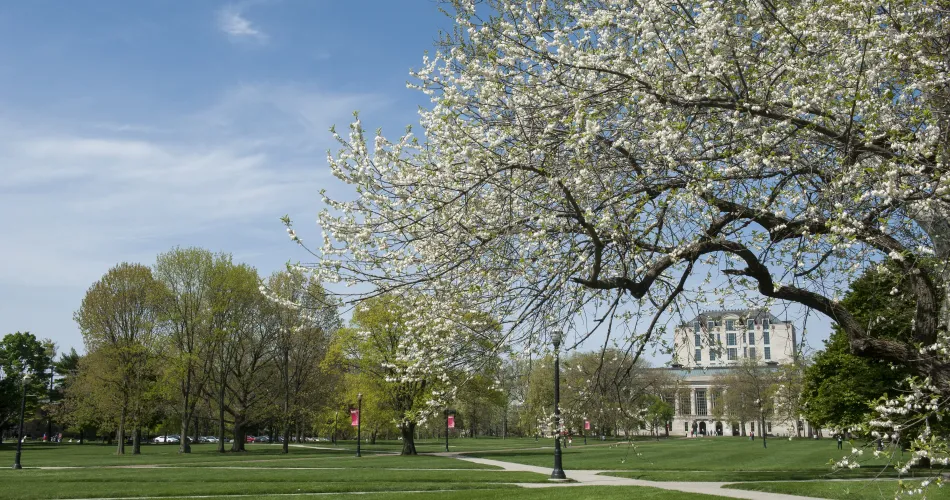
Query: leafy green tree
{"x": 237, "y": 311}
{"x": 307, "y": 318}
{"x": 746, "y": 393}
{"x": 658, "y": 413}
{"x": 407, "y": 352}
{"x": 21, "y": 353}
{"x": 118, "y": 319}
{"x": 186, "y": 311}
{"x": 840, "y": 386}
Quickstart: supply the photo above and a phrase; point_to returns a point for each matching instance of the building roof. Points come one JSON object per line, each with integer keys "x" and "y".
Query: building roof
{"x": 684, "y": 372}
{"x": 757, "y": 314}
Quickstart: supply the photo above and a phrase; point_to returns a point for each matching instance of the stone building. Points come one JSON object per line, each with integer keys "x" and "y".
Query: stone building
{"x": 709, "y": 345}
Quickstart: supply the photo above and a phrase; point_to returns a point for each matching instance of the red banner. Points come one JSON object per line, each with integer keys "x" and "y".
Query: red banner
{"x": 586, "y": 425}
{"x": 451, "y": 421}
{"x": 354, "y": 418}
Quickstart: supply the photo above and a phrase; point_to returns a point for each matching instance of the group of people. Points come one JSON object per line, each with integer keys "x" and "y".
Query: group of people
{"x": 55, "y": 438}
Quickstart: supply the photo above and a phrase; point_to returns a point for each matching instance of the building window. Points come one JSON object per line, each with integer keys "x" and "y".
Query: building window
{"x": 752, "y": 338}
{"x": 765, "y": 336}
{"x": 696, "y": 327}
{"x": 698, "y": 356}
{"x": 750, "y": 324}
{"x": 765, "y": 325}
{"x": 752, "y": 352}
{"x": 697, "y": 340}
{"x": 701, "y": 402}
{"x": 770, "y": 426}
{"x": 684, "y": 404}
{"x": 768, "y": 353}
{"x": 712, "y": 355}
{"x": 710, "y": 325}
{"x": 686, "y": 426}
{"x": 713, "y": 400}
{"x": 732, "y": 354}
{"x": 730, "y": 325}
{"x": 731, "y": 338}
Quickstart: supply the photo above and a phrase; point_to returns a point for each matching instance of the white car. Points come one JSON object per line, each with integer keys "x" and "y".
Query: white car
{"x": 166, "y": 439}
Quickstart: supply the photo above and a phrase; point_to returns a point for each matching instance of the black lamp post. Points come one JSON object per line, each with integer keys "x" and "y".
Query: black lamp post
{"x": 19, "y": 442}
{"x": 448, "y": 411}
{"x": 359, "y": 421}
{"x": 558, "y": 472}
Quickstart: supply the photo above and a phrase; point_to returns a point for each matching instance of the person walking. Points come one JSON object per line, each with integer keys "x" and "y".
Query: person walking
{"x": 840, "y": 439}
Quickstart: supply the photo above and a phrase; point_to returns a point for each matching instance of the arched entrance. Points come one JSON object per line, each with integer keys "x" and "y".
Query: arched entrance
{"x": 735, "y": 429}
{"x": 719, "y": 428}
{"x": 702, "y": 428}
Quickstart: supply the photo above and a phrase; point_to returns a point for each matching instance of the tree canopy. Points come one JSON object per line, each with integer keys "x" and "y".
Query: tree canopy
{"x": 591, "y": 155}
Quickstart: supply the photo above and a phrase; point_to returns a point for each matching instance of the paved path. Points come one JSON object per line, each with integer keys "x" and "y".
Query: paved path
{"x": 594, "y": 478}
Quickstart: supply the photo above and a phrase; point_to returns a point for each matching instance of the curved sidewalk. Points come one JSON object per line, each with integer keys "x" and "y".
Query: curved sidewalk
{"x": 594, "y": 478}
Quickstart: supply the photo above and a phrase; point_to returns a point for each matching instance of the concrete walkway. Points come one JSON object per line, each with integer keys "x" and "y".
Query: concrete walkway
{"x": 594, "y": 478}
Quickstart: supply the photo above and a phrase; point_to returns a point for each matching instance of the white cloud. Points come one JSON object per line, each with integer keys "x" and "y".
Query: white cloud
{"x": 78, "y": 199}
{"x": 231, "y": 20}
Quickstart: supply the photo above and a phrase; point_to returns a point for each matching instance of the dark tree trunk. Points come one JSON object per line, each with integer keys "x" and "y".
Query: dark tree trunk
{"x": 240, "y": 437}
{"x": 286, "y": 444}
{"x": 120, "y": 434}
{"x": 408, "y": 438}
{"x": 137, "y": 441}
{"x": 197, "y": 431}
{"x": 184, "y": 447}
{"x": 372, "y": 439}
{"x": 82, "y": 435}
{"x": 221, "y": 428}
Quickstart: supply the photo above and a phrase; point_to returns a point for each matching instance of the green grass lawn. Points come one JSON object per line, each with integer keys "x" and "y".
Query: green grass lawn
{"x": 850, "y": 490}
{"x": 93, "y": 471}
{"x": 709, "y": 459}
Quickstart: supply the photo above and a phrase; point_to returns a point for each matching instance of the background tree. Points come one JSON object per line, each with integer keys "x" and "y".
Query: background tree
{"x": 658, "y": 413}
{"x": 236, "y": 304}
{"x": 187, "y": 274}
{"x": 839, "y": 387}
{"x": 22, "y": 352}
{"x": 118, "y": 319}
{"x": 747, "y": 394}
{"x": 307, "y": 318}
{"x": 407, "y": 350}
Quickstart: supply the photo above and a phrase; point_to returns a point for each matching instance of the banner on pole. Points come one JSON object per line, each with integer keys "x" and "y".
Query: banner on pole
{"x": 354, "y": 418}
{"x": 586, "y": 425}
{"x": 451, "y": 421}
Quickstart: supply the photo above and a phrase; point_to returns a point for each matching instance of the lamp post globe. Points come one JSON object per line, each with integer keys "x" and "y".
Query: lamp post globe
{"x": 19, "y": 442}
{"x": 558, "y": 473}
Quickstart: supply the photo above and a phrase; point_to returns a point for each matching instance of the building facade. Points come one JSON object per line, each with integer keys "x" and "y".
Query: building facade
{"x": 710, "y": 345}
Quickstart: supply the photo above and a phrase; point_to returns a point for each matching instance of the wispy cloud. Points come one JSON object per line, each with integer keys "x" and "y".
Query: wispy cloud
{"x": 231, "y": 20}
{"x": 85, "y": 199}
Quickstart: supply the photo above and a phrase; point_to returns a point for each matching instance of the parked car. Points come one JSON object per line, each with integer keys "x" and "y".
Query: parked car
{"x": 249, "y": 439}
{"x": 262, "y": 439}
{"x": 167, "y": 439}
{"x": 209, "y": 439}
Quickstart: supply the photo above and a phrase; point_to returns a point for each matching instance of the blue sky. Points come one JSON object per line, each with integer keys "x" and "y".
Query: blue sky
{"x": 127, "y": 128}
{"x": 130, "y": 127}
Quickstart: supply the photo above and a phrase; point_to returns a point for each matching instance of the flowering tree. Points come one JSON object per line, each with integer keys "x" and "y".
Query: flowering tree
{"x": 586, "y": 158}
{"x": 407, "y": 353}
{"x": 591, "y": 154}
